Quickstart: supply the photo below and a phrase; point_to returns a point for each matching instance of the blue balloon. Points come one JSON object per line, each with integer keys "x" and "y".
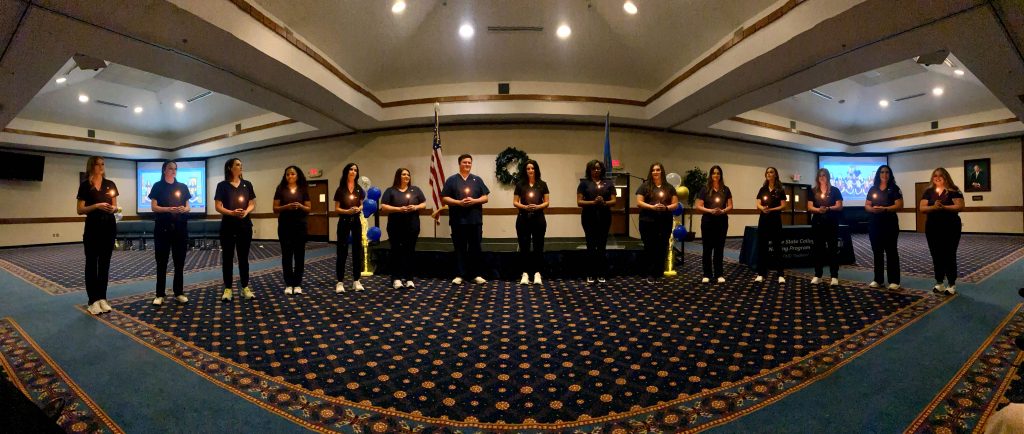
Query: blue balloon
{"x": 678, "y": 211}
{"x": 373, "y": 234}
{"x": 369, "y": 207}
{"x": 373, "y": 193}
{"x": 679, "y": 232}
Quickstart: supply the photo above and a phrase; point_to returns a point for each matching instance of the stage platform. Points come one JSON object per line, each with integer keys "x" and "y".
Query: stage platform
{"x": 563, "y": 257}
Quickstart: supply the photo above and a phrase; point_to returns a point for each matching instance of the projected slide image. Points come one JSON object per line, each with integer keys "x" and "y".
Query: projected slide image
{"x": 853, "y": 176}
{"x": 190, "y": 173}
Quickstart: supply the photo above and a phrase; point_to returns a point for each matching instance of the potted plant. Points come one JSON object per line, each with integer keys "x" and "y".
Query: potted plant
{"x": 695, "y": 180}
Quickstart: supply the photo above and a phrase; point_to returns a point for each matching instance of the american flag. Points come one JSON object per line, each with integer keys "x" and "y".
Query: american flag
{"x": 436, "y": 171}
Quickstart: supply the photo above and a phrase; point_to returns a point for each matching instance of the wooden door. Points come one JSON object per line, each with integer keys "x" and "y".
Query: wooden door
{"x": 318, "y": 220}
{"x": 919, "y": 188}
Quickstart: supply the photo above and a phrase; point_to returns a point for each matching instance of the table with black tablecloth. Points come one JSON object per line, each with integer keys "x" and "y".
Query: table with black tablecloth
{"x": 797, "y": 246}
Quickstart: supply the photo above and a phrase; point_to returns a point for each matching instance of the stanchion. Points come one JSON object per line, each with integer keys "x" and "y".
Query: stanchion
{"x": 366, "y": 247}
{"x": 670, "y": 258}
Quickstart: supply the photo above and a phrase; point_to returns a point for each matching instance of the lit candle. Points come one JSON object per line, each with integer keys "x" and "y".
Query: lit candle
{"x": 293, "y": 191}
{"x": 241, "y": 199}
{"x": 467, "y": 191}
{"x": 718, "y": 199}
{"x": 765, "y": 198}
{"x": 408, "y": 199}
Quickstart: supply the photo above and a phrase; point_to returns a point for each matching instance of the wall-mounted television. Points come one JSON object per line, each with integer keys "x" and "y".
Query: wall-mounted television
{"x": 853, "y": 176}
{"x": 21, "y": 167}
{"x": 192, "y": 173}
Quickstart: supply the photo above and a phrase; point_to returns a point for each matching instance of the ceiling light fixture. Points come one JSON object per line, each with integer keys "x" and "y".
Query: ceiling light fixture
{"x": 398, "y": 7}
{"x": 629, "y": 7}
{"x": 563, "y": 31}
{"x": 62, "y": 80}
{"x": 937, "y": 91}
{"x": 179, "y": 105}
{"x": 138, "y": 109}
{"x": 883, "y": 103}
{"x": 958, "y": 71}
{"x": 466, "y": 31}
{"x": 83, "y": 98}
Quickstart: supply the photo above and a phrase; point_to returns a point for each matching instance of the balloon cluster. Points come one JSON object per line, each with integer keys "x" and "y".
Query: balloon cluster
{"x": 370, "y": 207}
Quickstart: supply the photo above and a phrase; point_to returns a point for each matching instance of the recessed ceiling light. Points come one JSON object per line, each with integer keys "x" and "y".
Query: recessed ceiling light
{"x": 398, "y": 7}
{"x": 883, "y": 103}
{"x": 466, "y": 31}
{"x": 629, "y": 7}
{"x": 83, "y": 98}
{"x": 563, "y": 31}
{"x": 179, "y": 105}
{"x": 958, "y": 71}
{"x": 138, "y": 109}
{"x": 937, "y": 91}
{"x": 61, "y": 80}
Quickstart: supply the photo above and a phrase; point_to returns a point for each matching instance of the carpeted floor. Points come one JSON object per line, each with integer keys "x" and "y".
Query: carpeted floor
{"x": 59, "y": 269}
{"x": 979, "y": 256}
{"x": 507, "y": 356}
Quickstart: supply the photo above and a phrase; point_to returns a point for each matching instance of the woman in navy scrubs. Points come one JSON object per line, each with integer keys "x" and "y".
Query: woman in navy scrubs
{"x": 596, "y": 196}
{"x": 169, "y": 200}
{"x": 97, "y": 199}
{"x": 883, "y": 201}
{"x": 943, "y": 201}
{"x": 656, "y": 199}
{"x": 235, "y": 199}
{"x": 770, "y": 201}
{"x": 715, "y": 202}
{"x": 402, "y": 202}
{"x": 348, "y": 200}
{"x": 531, "y": 196}
{"x": 292, "y": 205}
{"x": 826, "y": 207}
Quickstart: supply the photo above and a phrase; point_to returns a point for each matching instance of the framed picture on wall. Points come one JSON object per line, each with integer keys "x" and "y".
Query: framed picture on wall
{"x": 978, "y": 175}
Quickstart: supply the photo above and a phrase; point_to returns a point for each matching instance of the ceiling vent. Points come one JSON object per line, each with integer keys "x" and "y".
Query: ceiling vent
{"x": 908, "y": 97}
{"x": 112, "y": 104}
{"x": 200, "y": 96}
{"x": 514, "y": 29}
{"x": 821, "y": 94}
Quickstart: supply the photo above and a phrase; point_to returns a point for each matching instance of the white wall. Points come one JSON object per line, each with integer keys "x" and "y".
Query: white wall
{"x": 916, "y": 166}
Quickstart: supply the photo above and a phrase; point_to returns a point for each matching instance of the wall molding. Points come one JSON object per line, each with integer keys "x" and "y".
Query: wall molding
{"x": 781, "y": 128}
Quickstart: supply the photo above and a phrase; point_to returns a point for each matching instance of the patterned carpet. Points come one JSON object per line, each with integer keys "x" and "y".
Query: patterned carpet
{"x": 32, "y": 371}
{"x": 59, "y": 269}
{"x": 668, "y": 356}
{"x": 978, "y": 389}
{"x": 979, "y": 256}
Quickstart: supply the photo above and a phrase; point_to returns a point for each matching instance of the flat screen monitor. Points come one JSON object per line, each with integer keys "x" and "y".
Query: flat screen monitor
{"x": 190, "y": 173}
{"x": 853, "y": 176}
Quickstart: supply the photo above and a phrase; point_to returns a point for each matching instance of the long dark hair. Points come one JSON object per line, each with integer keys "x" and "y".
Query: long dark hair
{"x": 892, "y": 177}
{"x": 828, "y": 180}
{"x": 650, "y": 175}
{"x": 398, "y": 178}
{"x": 778, "y": 182}
{"x": 344, "y": 176}
{"x": 227, "y": 168}
{"x": 300, "y": 180}
{"x": 590, "y": 167}
{"x": 524, "y": 178}
{"x": 721, "y": 176}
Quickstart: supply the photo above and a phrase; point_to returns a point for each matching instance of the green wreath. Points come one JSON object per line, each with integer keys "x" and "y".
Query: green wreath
{"x": 510, "y": 156}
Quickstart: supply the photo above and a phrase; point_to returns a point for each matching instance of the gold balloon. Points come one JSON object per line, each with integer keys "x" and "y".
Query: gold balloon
{"x": 682, "y": 192}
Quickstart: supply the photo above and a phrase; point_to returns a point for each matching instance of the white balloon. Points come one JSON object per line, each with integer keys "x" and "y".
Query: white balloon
{"x": 674, "y": 179}
{"x": 364, "y": 182}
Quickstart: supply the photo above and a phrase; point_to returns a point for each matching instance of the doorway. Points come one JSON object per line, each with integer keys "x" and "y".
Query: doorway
{"x": 318, "y": 214}
{"x": 919, "y": 188}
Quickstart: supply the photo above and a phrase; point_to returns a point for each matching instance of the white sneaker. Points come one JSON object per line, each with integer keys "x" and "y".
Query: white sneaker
{"x": 297, "y": 290}
{"x": 758, "y": 278}
{"x": 289, "y": 290}
{"x": 525, "y": 280}
{"x": 181, "y": 299}
{"x": 409, "y": 284}
{"x": 590, "y": 280}
{"x": 816, "y": 280}
{"x": 873, "y": 284}
{"x": 833, "y": 282}
{"x": 357, "y": 286}
{"x": 721, "y": 279}
{"x": 894, "y": 286}
{"x": 950, "y": 290}
{"x": 95, "y": 308}
{"x": 939, "y": 288}
{"x": 397, "y": 284}
{"x": 156, "y": 301}
{"x": 104, "y": 305}
{"x": 705, "y": 280}
{"x": 480, "y": 280}
{"x": 339, "y": 288}
{"x": 601, "y": 280}
{"x": 457, "y": 281}
{"x": 536, "y": 279}
{"x": 782, "y": 279}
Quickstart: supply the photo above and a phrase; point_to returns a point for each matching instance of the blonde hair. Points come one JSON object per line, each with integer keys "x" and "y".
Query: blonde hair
{"x": 93, "y": 161}
{"x": 945, "y": 176}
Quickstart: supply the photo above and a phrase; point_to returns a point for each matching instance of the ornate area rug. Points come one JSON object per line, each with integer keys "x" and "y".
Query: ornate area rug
{"x": 61, "y": 269}
{"x": 671, "y": 356}
{"x": 32, "y": 371}
{"x": 979, "y": 389}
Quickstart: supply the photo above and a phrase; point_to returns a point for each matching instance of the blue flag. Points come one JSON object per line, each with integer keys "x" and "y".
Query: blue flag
{"x": 607, "y": 143}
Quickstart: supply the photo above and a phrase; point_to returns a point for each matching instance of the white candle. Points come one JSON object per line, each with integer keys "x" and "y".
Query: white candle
{"x": 241, "y": 199}
{"x": 467, "y": 191}
{"x": 293, "y": 191}
{"x": 718, "y": 199}
{"x": 765, "y": 198}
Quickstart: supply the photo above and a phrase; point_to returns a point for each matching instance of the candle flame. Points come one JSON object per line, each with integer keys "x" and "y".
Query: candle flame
{"x": 293, "y": 191}
{"x": 177, "y": 193}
